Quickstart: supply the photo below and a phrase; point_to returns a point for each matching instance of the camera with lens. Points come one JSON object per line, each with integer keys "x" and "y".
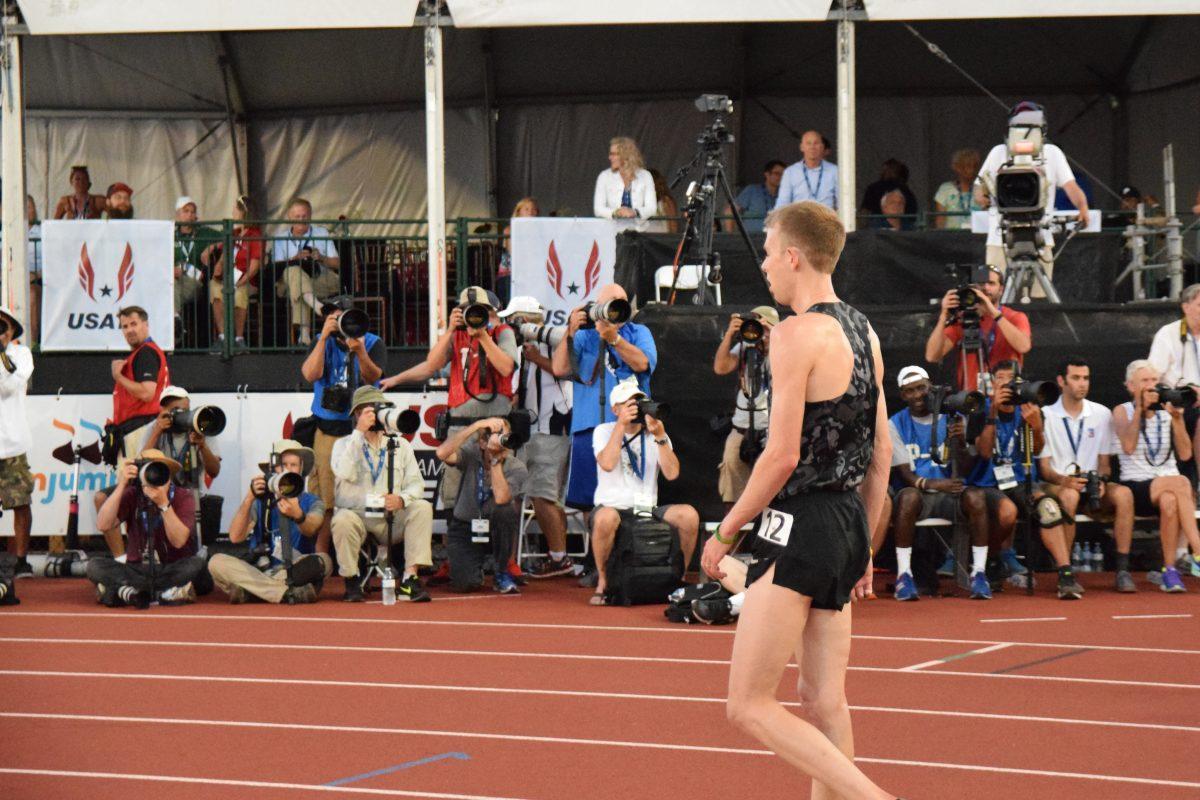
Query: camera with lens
{"x": 337, "y": 398}
{"x": 205, "y": 420}
{"x": 1180, "y": 397}
{"x": 353, "y": 323}
{"x": 151, "y": 473}
{"x": 649, "y": 408}
{"x": 395, "y": 421}
{"x": 285, "y": 485}
{"x": 752, "y": 446}
{"x": 475, "y": 315}
{"x": 944, "y": 400}
{"x": 614, "y": 312}
{"x": 537, "y": 333}
{"x": 520, "y": 423}
{"x": 1091, "y": 490}
{"x": 1039, "y": 393}
{"x": 752, "y": 330}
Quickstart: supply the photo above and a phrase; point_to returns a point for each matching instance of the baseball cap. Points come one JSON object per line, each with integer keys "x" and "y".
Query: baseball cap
{"x": 522, "y": 304}
{"x": 173, "y": 392}
{"x": 623, "y": 391}
{"x": 182, "y": 201}
{"x": 477, "y": 294}
{"x": 119, "y": 187}
{"x": 1130, "y": 192}
{"x": 767, "y": 313}
{"x": 911, "y": 375}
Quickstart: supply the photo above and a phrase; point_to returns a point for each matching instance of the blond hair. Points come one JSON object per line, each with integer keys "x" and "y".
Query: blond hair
{"x": 813, "y": 229}
{"x": 525, "y": 201}
{"x": 964, "y": 155}
{"x": 631, "y": 156}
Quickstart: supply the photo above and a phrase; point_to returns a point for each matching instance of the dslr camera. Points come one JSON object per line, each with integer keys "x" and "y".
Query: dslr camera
{"x": 521, "y": 428}
{"x": 944, "y": 400}
{"x": 614, "y": 312}
{"x": 205, "y": 420}
{"x": 151, "y": 473}
{"x": 1091, "y": 492}
{"x": 395, "y": 421}
{"x": 649, "y": 408}
{"x": 1180, "y": 397}
{"x": 337, "y": 398}
{"x": 1039, "y": 393}
{"x": 537, "y": 333}
{"x": 475, "y": 315}
{"x": 752, "y": 331}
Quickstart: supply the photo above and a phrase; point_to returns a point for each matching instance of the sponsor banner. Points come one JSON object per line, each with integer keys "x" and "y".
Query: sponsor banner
{"x": 562, "y": 261}
{"x": 94, "y": 268}
{"x": 253, "y": 423}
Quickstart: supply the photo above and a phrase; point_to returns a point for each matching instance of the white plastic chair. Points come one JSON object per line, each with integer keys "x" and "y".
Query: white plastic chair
{"x": 576, "y": 524}
{"x": 689, "y": 280}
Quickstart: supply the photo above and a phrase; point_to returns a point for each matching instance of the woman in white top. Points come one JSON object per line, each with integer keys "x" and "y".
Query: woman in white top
{"x": 1148, "y": 433}
{"x": 625, "y": 190}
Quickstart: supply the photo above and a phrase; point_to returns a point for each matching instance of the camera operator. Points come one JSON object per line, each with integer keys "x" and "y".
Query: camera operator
{"x": 16, "y": 438}
{"x": 630, "y": 453}
{"x": 546, "y": 454}
{"x": 159, "y": 516}
{"x": 929, "y": 486}
{"x": 1175, "y": 353}
{"x": 360, "y": 463}
{"x": 299, "y": 518}
{"x": 1150, "y": 431}
{"x": 1027, "y": 124}
{"x": 597, "y": 359}
{"x": 336, "y": 366}
{"x": 1004, "y": 332}
{"x": 1076, "y": 464}
{"x": 750, "y": 405}
{"x": 1000, "y": 472}
{"x": 486, "y": 507}
{"x": 138, "y": 383}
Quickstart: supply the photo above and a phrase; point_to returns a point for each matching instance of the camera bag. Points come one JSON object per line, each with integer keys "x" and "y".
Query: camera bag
{"x": 646, "y": 563}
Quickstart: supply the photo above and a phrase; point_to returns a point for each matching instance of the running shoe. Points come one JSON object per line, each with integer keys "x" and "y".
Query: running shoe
{"x": 1068, "y": 587}
{"x": 1008, "y": 557}
{"x": 410, "y": 589}
{"x": 129, "y": 596}
{"x": 177, "y": 595}
{"x": 22, "y": 569}
{"x": 304, "y": 593}
{"x": 8, "y": 595}
{"x": 1125, "y": 582}
{"x": 354, "y": 592}
{"x": 237, "y": 595}
{"x": 946, "y": 570}
{"x": 1188, "y": 565}
{"x": 906, "y": 588}
{"x": 518, "y": 575}
{"x": 1171, "y": 582}
{"x": 550, "y": 568}
{"x": 441, "y": 575}
{"x": 713, "y": 611}
{"x": 980, "y": 588}
{"x": 503, "y": 583}
{"x": 1155, "y": 577}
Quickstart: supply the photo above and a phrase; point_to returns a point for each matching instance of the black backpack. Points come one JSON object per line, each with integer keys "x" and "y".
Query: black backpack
{"x": 646, "y": 563}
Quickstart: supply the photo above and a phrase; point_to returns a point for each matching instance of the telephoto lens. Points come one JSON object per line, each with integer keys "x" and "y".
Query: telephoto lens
{"x": 286, "y": 485}
{"x": 476, "y": 315}
{"x": 615, "y": 311}
{"x": 205, "y": 420}
{"x": 964, "y": 402}
{"x": 392, "y": 420}
{"x": 752, "y": 330}
{"x": 1180, "y": 397}
{"x": 353, "y": 323}
{"x": 1041, "y": 393}
{"x": 153, "y": 473}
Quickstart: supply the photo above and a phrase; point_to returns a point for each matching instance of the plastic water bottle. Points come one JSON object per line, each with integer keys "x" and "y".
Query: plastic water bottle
{"x": 1077, "y": 558}
{"x": 389, "y": 588}
{"x": 1097, "y": 558}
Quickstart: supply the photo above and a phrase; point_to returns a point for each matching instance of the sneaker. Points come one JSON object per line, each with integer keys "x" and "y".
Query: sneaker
{"x": 237, "y": 596}
{"x": 1008, "y": 557}
{"x": 127, "y": 596}
{"x": 354, "y": 592}
{"x": 946, "y": 570}
{"x": 410, "y": 589}
{"x": 1188, "y": 565}
{"x": 549, "y": 568}
{"x": 1155, "y": 577}
{"x": 304, "y": 593}
{"x": 1068, "y": 587}
{"x": 8, "y": 595}
{"x": 1017, "y": 581}
{"x": 980, "y": 588}
{"x": 503, "y": 583}
{"x": 713, "y": 611}
{"x": 1171, "y": 582}
{"x": 516, "y": 573}
{"x": 1125, "y": 582}
{"x": 906, "y": 587}
{"x": 22, "y": 569}
{"x": 309, "y": 569}
{"x": 440, "y": 576}
{"x": 178, "y": 595}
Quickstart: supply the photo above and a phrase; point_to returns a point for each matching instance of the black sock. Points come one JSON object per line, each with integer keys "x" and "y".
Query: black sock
{"x": 1122, "y": 562}
{"x": 1064, "y": 570}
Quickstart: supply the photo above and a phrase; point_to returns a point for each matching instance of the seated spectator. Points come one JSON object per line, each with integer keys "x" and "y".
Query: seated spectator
{"x": 667, "y": 208}
{"x": 33, "y": 259}
{"x": 159, "y": 522}
{"x": 756, "y": 199}
{"x": 893, "y": 216}
{"x": 629, "y": 462}
{"x": 811, "y": 178}
{"x": 1152, "y": 435}
{"x": 525, "y": 207}
{"x": 79, "y": 204}
{"x": 1126, "y": 213}
{"x": 928, "y": 487}
{"x": 310, "y": 266}
{"x": 360, "y": 463}
{"x": 119, "y": 201}
{"x": 197, "y": 247}
{"x": 624, "y": 191}
{"x": 247, "y": 262}
{"x": 487, "y": 507}
{"x": 300, "y": 517}
{"x": 955, "y": 200}
{"x": 893, "y": 176}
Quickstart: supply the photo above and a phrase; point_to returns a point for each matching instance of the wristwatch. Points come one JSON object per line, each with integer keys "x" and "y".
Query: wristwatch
{"x": 989, "y": 421}
{"x": 163, "y": 508}
{"x": 661, "y": 442}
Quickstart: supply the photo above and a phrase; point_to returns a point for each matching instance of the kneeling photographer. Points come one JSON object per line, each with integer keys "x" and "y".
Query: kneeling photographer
{"x": 1011, "y": 437}
{"x": 629, "y": 454}
{"x": 744, "y": 348}
{"x": 161, "y": 562}
{"x": 279, "y": 570}
{"x": 1076, "y": 464}
{"x": 486, "y": 510}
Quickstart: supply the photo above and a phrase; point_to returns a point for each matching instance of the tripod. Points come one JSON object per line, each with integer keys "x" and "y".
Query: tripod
{"x": 268, "y": 506}
{"x": 1028, "y": 511}
{"x": 382, "y": 564}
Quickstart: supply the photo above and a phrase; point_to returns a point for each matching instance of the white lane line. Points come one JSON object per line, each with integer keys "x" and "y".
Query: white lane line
{"x": 686, "y": 629}
{"x": 504, "y": 690}
{"x": 955, "y": 657}
{"x": 564, "y": 740}
{"x": 1152, "y": 616}
{"x": 302, "y": 787}
{"x": 562, "y": 656}
{"x": 1024, "y": 619}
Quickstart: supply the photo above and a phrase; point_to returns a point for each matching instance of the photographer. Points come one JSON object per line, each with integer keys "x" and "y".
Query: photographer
{"x": 298, "y": 517}
{"x": 336, "y": 366}
{"x": 597, "y": 355}
{"x": 159, "y": 515}
{"x": 360, "y": 463}
{"x": 1175, "y": 353}
{"x": 749, "y": 358}
{"x": 546, "y": 454}
{"x": 1000, "y": 472}
{"x": 1150, "y": 431}
{"x": 1075, "y": 466}
{"x": 16, "y": 438}
{"x": 1003, "y": 332}
{"x": 486, "y": 507}
{"x": 630, "y": 452}
{"x": 310, "y": 266}
{"x": 929, "y": 486}
{"x": 196, "y": 453}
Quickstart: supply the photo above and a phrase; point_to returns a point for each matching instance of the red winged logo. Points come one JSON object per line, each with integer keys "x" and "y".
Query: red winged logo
{"x": 87, "y": 275}
{"x": 125, "y": 273}
{"x": 554, "y": 271}
{"x": 591, "y": 272}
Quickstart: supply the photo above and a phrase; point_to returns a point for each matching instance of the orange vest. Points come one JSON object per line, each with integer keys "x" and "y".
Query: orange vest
{"x": 125, "y": 405}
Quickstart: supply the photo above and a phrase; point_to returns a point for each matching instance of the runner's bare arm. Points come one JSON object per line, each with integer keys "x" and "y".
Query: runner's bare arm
{"x": 874, "y": 486}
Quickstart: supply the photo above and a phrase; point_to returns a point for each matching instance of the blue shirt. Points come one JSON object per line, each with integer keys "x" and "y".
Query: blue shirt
{"x": 753, "y": 204}
{"x": 801, "y": 183}
{"x": 914, "y": 436}
{"x": 585, "y": 413}
{"x": 336, "y": 361}
{"x": 1008, "y": 448}
{"x": 301, "y": 544}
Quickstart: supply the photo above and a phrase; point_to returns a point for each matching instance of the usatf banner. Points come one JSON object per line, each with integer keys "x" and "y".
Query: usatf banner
{"x": 93, "y": 268}
{"x": 562, "y": 261}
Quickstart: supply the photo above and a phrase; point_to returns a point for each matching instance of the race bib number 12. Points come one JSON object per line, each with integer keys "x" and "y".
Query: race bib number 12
{"x": 776, "y": 527}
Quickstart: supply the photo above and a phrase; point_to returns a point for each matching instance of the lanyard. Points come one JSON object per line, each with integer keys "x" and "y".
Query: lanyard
{"x": 1195, "y": 356}
{"x": 812, "y": 195}
{"x": 1078, "y": 432}
{"x": 187, "y": 250}
{"x": 627, "y": 198}
{"x": 1152, "y": 452}
{"x": 301, "y": 243}
{"x": 1006, "y": 448}
{"x": 375, "y": 469}
{"x": 481, "y": 493}
{"x": 636, "y": 465}
{"x": 81, "y": 211}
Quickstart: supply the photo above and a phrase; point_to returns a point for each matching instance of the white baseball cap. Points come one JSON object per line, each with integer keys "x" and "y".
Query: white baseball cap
{"x": 624, "y": 391}
{"x": 173, "y": 392}
{"x": 911, "y": 375}
{"x": 523, "y": 304}
{"x": 182, "y": 201}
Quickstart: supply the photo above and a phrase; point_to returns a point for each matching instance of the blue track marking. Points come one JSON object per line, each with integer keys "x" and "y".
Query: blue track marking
{"x": 406, "y": 765}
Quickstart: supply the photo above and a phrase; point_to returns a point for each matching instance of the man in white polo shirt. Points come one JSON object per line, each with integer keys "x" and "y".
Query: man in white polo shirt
{"x": 1079, "y": 440}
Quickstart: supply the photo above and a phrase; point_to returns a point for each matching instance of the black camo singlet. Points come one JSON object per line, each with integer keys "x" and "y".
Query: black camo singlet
{"x": 838, "y": 437}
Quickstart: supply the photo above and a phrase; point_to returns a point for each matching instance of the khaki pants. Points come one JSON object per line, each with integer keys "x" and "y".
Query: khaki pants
{"x": 229, "y": 573}
{"x": 734, "y": 472}
{"x": 185, "y": 291}
{"x": 996, "y": 258}
{"x": 320, "y": 480}
{"x": 241, "y": 294}
{"x": 326, "y": 284}
{"x": 412, "y": 525}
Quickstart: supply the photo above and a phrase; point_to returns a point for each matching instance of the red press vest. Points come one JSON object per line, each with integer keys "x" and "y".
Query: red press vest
{"x": 125, "y": 405}
{"x": 481, "y": 377}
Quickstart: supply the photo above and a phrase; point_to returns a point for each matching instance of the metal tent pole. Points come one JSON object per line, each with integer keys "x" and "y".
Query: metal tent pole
{"x": 435, "y": 170}
{"x": 846, "y": 140}
{"x": 12, "y": 164}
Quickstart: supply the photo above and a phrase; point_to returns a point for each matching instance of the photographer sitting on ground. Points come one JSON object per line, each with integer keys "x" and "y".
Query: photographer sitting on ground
{"x": 487, "y": 506}
{"x": 629, "y": 461}
{"x": 739, "y": 454}
{"x": 1150, "y": 433}
{"x": 301, "y": 516}
{"x": 360, "y": 463}
{"x": 1079, "y": 441}
{"x": 158, "y": 515}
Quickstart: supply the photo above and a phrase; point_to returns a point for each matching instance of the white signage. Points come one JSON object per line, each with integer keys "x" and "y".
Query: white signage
{"x": 562, "y": 261}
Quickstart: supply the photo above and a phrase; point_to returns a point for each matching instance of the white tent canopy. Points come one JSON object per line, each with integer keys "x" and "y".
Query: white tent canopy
{"x": 1011, "y": 9}
{"x": 494, "y": 14}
